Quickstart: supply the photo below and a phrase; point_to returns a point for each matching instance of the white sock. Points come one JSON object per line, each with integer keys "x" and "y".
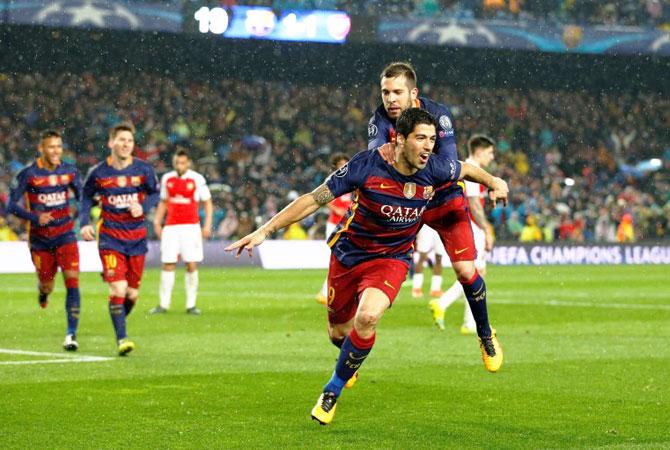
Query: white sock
{"x": 191, "y": 282}
{"x": 451, "y": 295}
{"x": 468, "y": 319}
{"x": 165, "y": 290}
{"x": 436, "y": 283}
{"x": 324, "y": 288}
{"x": 417, "y": 281}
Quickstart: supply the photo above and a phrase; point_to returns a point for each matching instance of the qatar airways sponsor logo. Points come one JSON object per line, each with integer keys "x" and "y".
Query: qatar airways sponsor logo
{"x": 402, "y": 214}
{"x": 123, "y": 200}
{"x": 53, "y": 199}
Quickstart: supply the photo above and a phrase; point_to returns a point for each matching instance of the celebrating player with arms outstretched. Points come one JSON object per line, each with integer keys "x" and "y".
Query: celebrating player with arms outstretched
{"x": 125, "y": 188}
{"x": 45, "y": 185}
{"x": 447, "y": 212}
{"x": 372, "y": 246}
{"x": 182, "y": 191}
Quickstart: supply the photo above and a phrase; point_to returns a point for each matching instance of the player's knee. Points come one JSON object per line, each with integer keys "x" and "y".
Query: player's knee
{"x": 191, "y": 267}
{"x": 464, "y": 271}
{"x": 118, "y": 289}
{"x": 46, "y": 287}
{"x": 169, "y": 267}
{"x": 132, "y": 293}
{"x": 367, "y": 319}
{"x": 72, "y": 282}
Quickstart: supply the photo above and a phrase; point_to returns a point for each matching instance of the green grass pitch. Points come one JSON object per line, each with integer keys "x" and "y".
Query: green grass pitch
{"x": 587, "y": 365}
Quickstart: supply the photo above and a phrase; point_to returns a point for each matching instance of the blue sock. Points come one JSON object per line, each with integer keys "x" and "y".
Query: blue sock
{"x": 118, "y": 314}
{"x": 352, "y": 354}
{"x": 475, "y": 292}
{"x": 72, "y": 303}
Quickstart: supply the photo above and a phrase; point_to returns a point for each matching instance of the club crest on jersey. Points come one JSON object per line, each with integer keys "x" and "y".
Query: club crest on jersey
{"x": 409, "y": 190}
{"x": 372, "y": 130}
{"x": 445, "y": 123}
{"x": 122, "y": 181}
{"x": 53, "y": 180}
{"x": 190, "y": 186}
{"x": 428, "y": 192}
{"x": 342, "y": 171}
{"x": 135, "y": 181}
{"x": 65, "y": 179}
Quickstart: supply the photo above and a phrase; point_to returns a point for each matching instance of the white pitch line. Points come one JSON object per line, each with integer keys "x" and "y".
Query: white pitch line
{"x": 61, "y": 358}
{"x": 663, "y": 307}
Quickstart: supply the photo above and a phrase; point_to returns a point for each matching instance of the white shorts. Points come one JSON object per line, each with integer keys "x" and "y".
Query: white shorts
{"x": 181, "y": 240}
{"x": 330, "y": 227}
{"x": 428, "y": 240}
{"x": 480, "y": 245}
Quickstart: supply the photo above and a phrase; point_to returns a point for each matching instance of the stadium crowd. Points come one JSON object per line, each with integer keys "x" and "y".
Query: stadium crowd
{"x": 572, "y": 158}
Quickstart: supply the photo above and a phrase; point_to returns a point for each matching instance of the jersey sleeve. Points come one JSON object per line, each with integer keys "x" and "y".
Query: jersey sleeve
{"x": 87, "y": 198}
{"x": 378, "y": 131}
{"x": 202, "y": 189}
{"x": 16, "y": 190}
{"x": 151, "y": 188}
{"x": 75, "y": 184}
{"x": 445, "y": 145}
{"x": 350, "y": 176}
{"x": 471, "y": 189}
{"x": 446, "y": 170}
{"x": 164, "y": 191}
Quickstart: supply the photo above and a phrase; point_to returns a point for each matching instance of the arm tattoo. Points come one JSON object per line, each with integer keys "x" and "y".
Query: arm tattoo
{"x": 478, "y": 213}
{"x": 322, "y": 195}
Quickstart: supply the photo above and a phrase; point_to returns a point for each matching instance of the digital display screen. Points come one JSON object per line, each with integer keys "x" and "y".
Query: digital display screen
{"x": 245, "y": 22}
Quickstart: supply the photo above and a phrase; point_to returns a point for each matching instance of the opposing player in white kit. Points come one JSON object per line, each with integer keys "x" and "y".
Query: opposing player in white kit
{"x": 182, "y": 191}
{"x": 480, "y": 154}
{"x": 338, "y": 208}
{"x": 426, "y": 240}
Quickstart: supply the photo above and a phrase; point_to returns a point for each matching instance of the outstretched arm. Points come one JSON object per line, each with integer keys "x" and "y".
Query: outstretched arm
{"x": 498, "y": 189}
{"x": 297, "y": 210}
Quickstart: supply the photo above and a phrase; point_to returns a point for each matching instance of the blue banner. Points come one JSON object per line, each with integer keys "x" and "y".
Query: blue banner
{"x": 134, "y": 15}
{"x": 526, "y": 36}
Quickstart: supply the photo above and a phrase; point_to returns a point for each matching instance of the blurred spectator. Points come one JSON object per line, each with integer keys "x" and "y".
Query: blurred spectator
{"x": 530, "y": 232}
{"x": 295, "y": 232}
{"x": 625, "y": 231}
{"x": 6, "y": 233}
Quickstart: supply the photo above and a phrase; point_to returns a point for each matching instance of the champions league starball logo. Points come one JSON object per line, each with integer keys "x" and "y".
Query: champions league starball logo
{"x": 87, "y": 13}
{"x": 372, "y": 130}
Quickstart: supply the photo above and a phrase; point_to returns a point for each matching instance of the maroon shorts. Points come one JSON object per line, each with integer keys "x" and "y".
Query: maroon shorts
{"x": 117, "y": 267}
{"x": 47, "y": 262}
{"x": 346, "y": 284}
{"x": 451, "y": 220}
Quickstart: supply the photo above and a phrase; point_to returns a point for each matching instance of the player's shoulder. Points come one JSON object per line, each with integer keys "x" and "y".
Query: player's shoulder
{"x": 439, "y": 166}
{"x": 27, "y": 170}
{"x": 68, "y": 167}
{"x": 167, "y": 175}
{"x": 96, "y": 169}
{"x": 196, "y": 176}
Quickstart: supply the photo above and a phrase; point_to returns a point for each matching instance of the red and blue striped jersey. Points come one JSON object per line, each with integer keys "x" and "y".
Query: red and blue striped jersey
{"x": 115, "y": 191}
{"x": 381, "y": 129}
{"x": 387, "y": 206}
{"x": 45, "y": 191}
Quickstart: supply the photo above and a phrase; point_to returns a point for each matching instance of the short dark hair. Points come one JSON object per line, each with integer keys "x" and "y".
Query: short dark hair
{"x": 337, "y": 157}
{"x": 400, "y": 69}
{"x": 49, "y": 133}
{"x": 182, "y": 152}
{"x": 121, "y": 127}
{"x": 412, "y": 117}
{"x": 479, "y": 141}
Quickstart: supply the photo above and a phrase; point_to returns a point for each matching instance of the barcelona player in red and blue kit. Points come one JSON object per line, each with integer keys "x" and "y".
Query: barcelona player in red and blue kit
{"x": 372, "y": 246}
{"x": 125, "y": 188}
{"x": 447, "y": 213}
{"x": 45, "y": 187}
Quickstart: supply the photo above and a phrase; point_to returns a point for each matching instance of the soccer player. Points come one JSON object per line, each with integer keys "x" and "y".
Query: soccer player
{"x": 371, "y": 248}
{"x": 45, "y": 186}
{"x": 338, "y": 208}
{"x": 428, "y": 240}
{"x": 125, "y": 188}
{"x": 481, "y": 153}
{"x": 182, "y": 191}
{"x": 447, "y": 212}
